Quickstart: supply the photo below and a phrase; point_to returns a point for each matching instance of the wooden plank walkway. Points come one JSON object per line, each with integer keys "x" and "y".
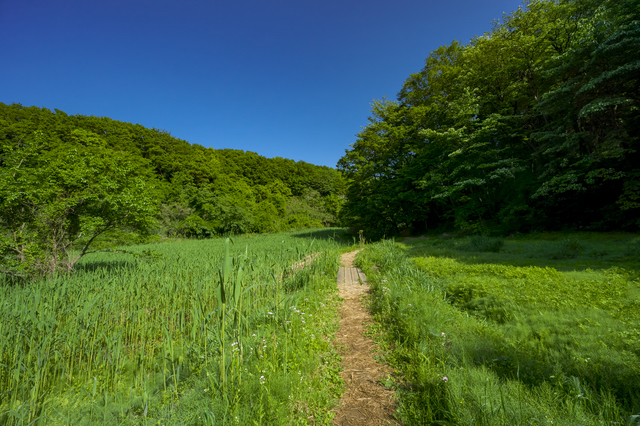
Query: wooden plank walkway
{"x": 365, "y": 400}
{"x": 351, "y": 276}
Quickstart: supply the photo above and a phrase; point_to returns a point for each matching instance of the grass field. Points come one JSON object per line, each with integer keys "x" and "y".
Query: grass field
{"x": 210, "y": 332}
{"x": 530, "y": 330}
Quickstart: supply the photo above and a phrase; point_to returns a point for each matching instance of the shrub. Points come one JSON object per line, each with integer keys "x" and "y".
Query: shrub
{"x": 632, "y": 249}
{"x": 482, "y": 243}
{"x": 567, "y": 248}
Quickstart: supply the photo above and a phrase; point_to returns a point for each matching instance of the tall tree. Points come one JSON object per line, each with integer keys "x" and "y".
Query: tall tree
{"x": 522, "y": 128}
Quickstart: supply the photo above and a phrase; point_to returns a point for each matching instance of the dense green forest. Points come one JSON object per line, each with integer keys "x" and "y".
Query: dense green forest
{"x": 74, "y": 182}
{"x": 533, "y": 125}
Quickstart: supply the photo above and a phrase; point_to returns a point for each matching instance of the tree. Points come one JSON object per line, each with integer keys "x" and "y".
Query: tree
{"x": 532, "y": 125}
{"x": 58, "y": 198}
{"x": 591, "y": 140}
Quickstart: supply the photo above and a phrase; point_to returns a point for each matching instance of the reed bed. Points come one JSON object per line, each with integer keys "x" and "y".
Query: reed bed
{"x": 212, "y": 332}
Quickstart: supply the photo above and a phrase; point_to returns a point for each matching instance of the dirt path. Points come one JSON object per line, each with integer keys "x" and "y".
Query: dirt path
{"x": 366, "y": 401}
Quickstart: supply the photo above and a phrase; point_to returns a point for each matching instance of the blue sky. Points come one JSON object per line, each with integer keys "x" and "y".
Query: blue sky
{"x": 285, "y": 78}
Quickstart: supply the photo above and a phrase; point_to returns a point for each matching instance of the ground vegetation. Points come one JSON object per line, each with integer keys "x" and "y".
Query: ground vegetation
{"x": 211, "y": 331}
{"x": 540, "y": 330}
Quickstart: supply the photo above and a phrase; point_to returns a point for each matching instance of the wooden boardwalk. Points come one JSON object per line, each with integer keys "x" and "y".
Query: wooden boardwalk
{"x": 351, "y": 276}
{"x": 365, "y": 400}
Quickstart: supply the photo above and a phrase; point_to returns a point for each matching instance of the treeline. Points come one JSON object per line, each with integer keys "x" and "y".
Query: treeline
{"x": 197, "y": 191}
{"x": 533, "y": 125}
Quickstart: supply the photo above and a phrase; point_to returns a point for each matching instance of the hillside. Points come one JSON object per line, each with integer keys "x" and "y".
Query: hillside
{"x": 198, "y": 191}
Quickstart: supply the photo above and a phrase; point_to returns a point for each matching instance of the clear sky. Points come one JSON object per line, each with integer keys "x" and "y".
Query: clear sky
{"x": 285, "y": 78}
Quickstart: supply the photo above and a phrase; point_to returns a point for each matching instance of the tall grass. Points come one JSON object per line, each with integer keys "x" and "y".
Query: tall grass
{"x": 484, "y": 342}
{"x": 214, "y": 332}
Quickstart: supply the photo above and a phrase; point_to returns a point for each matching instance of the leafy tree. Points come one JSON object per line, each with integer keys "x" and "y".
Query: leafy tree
{"x": 532, "y": 125}
{"x": 56, "y": 200}
{"x": 590, "y": 142}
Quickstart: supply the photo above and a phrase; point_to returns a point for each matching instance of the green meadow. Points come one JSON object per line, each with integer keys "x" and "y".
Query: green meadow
{"x": 202, "y": 332}
{"x": 539, "y": 329}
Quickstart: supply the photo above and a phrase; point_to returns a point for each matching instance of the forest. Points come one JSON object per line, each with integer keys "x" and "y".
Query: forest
{"x": 88, "y": 182}
{"x": 531, "y": 126}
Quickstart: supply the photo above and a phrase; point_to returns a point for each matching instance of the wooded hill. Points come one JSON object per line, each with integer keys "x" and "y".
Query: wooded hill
{"x": 533, "y": 125}
{"x": 196, "y": 191}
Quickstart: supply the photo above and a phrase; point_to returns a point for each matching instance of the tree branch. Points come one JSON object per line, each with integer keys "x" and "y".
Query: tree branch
{"x": 14, "y": 274}
{"x": 86, "y": 247}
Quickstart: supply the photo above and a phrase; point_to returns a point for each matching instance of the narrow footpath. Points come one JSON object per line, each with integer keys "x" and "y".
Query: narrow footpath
{"x": 366, "y": 401}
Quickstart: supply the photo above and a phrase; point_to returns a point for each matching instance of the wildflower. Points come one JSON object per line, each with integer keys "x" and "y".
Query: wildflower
{"x": 270, "y": 313}
{"x": 409, "y": 304}
{"x": 234, "y": 343}
{"x": 254, "y": 335}
{"x": 443, "y": 335}
{"x": 445, "y": 379}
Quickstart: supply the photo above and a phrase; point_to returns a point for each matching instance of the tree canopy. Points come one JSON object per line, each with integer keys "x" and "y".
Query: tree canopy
{"x": 71, "y": 182}
{"x": 533, "y": 125}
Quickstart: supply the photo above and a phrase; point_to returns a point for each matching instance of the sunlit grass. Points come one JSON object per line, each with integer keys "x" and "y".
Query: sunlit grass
{"x": 134, "y": 341}
{"x": 520, "y": 339}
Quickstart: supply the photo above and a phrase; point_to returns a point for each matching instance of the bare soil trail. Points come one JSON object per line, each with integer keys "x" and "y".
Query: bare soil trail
{"x": 366, "y": 401}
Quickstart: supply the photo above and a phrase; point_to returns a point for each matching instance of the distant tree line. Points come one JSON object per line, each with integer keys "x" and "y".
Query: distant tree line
{"x": 70, "y": 184}
{"x": 533, "y": 125}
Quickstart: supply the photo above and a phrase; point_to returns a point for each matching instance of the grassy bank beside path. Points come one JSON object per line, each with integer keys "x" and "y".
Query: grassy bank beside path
{"x": 540, "y": 329}
{"x": 209, "y": 332}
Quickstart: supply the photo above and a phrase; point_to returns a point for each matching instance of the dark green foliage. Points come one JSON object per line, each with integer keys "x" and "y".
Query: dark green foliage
{"x": 482, "y": 243}
{"x": 533, "y": 125}
{"x": 566, "y": 249}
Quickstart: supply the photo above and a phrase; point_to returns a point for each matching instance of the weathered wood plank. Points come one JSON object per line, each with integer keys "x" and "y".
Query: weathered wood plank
{"x": 350, "y": 276}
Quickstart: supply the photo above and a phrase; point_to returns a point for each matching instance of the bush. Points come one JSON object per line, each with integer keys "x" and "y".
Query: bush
{"x": 567, "y": 248}
{"x": 195, "y": 227}
{"x": 482, "y": 243}
{"x": 632, "y": 249}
